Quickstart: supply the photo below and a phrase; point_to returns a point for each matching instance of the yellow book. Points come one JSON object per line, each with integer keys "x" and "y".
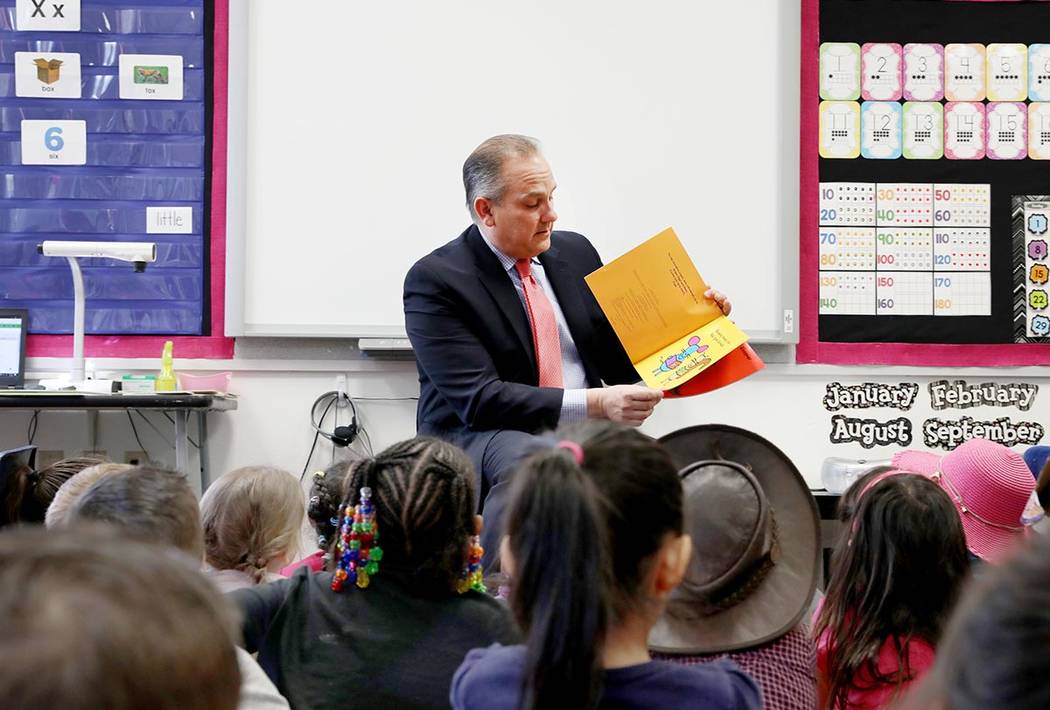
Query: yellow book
{"x": 654, "y": 298}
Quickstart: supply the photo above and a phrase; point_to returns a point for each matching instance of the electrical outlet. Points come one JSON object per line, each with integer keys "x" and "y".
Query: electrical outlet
{"x": 49, "y": 458}
{"x": 136, "y": 458}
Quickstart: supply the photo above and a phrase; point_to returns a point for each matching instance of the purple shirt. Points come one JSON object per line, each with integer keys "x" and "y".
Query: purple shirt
{"x": 491, "y": 678}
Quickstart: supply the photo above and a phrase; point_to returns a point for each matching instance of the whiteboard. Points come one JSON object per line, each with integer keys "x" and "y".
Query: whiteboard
{"x": 349, "y": 123}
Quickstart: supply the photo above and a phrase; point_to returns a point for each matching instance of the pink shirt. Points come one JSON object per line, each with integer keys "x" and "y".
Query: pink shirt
{"x": 315, "y": 562}
{"x": 864, "y": 695}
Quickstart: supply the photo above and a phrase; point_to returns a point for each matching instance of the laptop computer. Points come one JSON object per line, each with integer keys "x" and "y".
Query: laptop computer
{"x": 14, "y": 322}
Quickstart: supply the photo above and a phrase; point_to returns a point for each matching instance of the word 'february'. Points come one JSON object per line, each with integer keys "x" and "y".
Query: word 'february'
{"x": 963, "y": 395}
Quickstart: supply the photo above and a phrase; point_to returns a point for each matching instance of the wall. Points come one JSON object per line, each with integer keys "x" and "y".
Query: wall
{"x": 783, "y": 403}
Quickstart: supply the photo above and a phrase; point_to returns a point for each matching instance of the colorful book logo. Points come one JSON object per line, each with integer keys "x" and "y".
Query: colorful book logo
{"x": 150, "y": 75}
{"x": 47, "y": 70}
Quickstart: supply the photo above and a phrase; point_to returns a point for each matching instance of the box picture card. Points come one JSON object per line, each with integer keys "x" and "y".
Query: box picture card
{"x": 880, "y": 130}
{"x": 880, "y": 78}
{"x": 923, "y": 72}
{"x": 1039, "y": 130}
{"x": 47, "y": 75}
{"x": 964, "y": 130}
{"x": 47, "y": 15}
{"x": 839, "y": 129}
{"x": 151, "y": 77}
{"x": 1006, "y": 126}
{"x": 1007, "y": 72}
{"x": 923, "y": 130}
{"x": 964, "y": 72}
{"x": 839, "y": 71}
{"x": 46, "y": 142}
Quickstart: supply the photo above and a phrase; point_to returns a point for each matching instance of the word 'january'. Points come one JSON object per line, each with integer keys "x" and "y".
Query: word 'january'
{"x": 870, "y": 394}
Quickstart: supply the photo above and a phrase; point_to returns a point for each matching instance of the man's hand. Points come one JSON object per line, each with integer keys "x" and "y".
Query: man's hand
{"x": 626, "y": 404}
{"x": 719, "y": 298}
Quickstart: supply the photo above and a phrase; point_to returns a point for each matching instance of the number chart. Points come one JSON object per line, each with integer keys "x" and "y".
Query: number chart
{"x": 997, "y": 101}
{"x": 905, "y": 249}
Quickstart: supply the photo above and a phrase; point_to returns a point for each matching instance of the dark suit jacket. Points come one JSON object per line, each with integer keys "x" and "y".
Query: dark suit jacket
{"x": 473, "y": 343}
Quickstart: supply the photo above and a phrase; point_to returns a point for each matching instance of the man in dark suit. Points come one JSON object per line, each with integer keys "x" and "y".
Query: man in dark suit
{"x": 509, "y": 341}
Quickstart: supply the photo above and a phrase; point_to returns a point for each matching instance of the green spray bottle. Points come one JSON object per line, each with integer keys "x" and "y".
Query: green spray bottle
{"x": 166, "y": 378}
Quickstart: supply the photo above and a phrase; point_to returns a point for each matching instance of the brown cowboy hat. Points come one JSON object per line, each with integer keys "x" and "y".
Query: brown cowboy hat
{"x": 756, "y": 543}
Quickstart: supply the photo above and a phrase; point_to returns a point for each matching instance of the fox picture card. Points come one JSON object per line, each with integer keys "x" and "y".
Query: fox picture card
{"x": 151, "y": 77}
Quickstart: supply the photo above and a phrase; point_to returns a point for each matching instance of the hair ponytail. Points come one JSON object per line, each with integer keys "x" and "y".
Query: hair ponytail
{"x": 561, "y": 587}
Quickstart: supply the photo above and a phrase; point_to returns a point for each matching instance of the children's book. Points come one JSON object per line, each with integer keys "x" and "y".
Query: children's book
{"x": 677, "y": 338}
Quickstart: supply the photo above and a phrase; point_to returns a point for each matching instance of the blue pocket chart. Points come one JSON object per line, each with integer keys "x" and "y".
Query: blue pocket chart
{"x": 140, "y": 153}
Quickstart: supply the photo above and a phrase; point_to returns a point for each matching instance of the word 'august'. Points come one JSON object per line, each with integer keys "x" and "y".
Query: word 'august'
{"x": 870, "y": 433}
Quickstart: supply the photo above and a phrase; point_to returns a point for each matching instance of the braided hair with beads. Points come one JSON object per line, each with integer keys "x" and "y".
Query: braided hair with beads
{"x": 418, "y": 495}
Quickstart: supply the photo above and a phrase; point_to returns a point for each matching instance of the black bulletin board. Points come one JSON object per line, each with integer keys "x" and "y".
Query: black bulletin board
{"x": 905, "y": 21}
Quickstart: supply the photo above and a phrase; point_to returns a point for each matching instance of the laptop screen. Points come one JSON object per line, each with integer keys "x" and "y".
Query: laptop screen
{"x": 13, "y": 325}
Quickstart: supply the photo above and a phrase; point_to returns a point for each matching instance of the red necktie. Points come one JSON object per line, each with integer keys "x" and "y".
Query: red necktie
{"x": 544, "y": 327}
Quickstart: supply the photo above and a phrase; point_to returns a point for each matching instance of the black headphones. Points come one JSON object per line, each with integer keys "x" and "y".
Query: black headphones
{"x": 342, "y": 435}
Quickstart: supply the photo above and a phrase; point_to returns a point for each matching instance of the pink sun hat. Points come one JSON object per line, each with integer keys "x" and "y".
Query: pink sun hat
{"x": 990, "y": 486}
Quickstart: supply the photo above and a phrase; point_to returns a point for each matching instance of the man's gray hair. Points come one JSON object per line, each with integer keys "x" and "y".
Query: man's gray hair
{"x": 483, "y": 169}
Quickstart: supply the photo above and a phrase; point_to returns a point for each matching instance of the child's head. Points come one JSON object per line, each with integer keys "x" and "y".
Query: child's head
{"x": 153, "y": 505}
{"x": 91, "y": 620}
{"x": 895, "y": 575}
{"x": 423, "y": 493}
{"x": 991, "y": 653}
{"x": 326, "y": 493}
{"x": 849, "y": 501}
{"x": 594, "y": 540}
{"x": 29, "y": 492}
{"x": 70, "y": 491}
{"x": 251, "y": 519}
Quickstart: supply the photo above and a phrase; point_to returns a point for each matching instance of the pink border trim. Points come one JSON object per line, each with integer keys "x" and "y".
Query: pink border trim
{"x": 214, "y": 346}
{"x": 811, "y": 350}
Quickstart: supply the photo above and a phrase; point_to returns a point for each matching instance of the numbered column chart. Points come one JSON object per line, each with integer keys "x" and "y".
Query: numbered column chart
{"x": 847, "y": 204}
{"x": 847, "y": 293}
{"x": 847, "y": 248}
{"x": 904, "y": 293}
{"x": 914, "y": 249}
{"x": 904, "y": 249}
{"x": 958, "y": 293}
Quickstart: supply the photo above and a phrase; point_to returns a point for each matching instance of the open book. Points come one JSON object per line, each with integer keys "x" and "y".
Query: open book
{"x": 677, "y": 339}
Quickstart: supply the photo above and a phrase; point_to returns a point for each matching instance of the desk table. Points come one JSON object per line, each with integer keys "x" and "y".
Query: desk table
{"x": 178, "y": 405}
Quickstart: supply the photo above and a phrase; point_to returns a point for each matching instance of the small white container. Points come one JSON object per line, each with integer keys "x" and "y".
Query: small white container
{"x": 837, "y": 474}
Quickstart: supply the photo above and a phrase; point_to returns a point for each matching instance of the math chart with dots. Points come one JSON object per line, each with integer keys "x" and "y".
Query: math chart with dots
{"x": 905, "y": 249}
